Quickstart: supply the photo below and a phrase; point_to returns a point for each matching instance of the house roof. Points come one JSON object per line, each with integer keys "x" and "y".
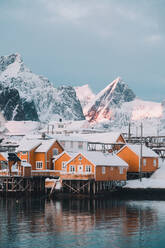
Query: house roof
{"x": 70, "y": 154}
{"x": 70, "y": 137}
{"x": 99, "y": 158}
{"x": 109, "y": 137}
{"x": 5, "y": 155}
{"x": 27, "y": 145}
{"x": 45, "y": 145}
{"x": 146, "y": 152}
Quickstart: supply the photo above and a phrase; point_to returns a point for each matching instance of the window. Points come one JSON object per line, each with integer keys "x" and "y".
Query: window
{"x": 3, "y": 165}
{"x": 55, "y": 151}
{"x": 80, "y": 158}
{"x": 111, "y": 168}
{"x": 24, "y": 160}
{"x": 121, "y": 170}
{"x": 154, "y": 162}
{"x": 80, "y": 168}
{"x": 63, "y": 165}
{"x": 80, "y": 144}
{"x": 24, "y": 152}
{"x": 144, "y": 162}
{"x": 39, "y": 164}
{"x": 88, "y": 168}
{"x": 103, "y": 170}
{"x": 72, "y": 168}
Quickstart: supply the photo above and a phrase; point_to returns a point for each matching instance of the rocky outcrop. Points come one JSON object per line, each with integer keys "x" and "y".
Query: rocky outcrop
{"x": 15, "y": 108}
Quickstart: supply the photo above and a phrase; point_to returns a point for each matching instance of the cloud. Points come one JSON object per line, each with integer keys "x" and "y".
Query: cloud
{"x": 154, "y": 39}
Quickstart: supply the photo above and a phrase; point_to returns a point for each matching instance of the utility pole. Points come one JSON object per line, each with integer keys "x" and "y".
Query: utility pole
{"x": 129, "y": 132}
{"x": 141, "y": 151}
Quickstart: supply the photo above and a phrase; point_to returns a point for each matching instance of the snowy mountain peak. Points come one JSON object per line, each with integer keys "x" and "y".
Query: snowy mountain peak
{"x": 112, "y": 95}
{"x": 48, "y": 101}
{"x": 84, "y": 94}
{"x": 11, "y": 66}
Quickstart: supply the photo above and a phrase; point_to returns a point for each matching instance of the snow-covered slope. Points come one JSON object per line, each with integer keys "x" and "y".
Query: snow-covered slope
{"x": 116, "y": 105}
{"x": 112, "y": 96}
{"x": 48, "y": 100}
{"x": 84, "y": 94}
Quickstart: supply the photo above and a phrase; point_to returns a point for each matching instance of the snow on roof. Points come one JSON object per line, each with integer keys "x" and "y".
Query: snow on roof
{"x": 45, "y": 145}
{"x": 71, "y": 154}
{"x": 100, "y": 158}
{"x": 28, "y": 145}
{"x": 25, "y": 164}
{"x": 5, "y": 155}
{"x": 70, "y": 138}
{"x": 109, "y": 137}
{"x": 146, "y": 152}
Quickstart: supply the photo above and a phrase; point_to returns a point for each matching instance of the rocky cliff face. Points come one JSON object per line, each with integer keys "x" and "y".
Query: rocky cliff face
{"x": 15, "y": 108}
{"x": 36, "y": 93}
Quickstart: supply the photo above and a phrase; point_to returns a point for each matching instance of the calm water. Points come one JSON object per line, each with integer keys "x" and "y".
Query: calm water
{"x": 39, "y": 223}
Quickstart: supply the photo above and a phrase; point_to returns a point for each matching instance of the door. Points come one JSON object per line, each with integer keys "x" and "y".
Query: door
{"x": 80, "y": 168}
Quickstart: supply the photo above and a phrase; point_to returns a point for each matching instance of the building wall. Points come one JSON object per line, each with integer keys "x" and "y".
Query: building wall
{"x": 74, "y": 146}
{"x": 23, "y": 156}
{"x": 120, "y": 139}
{"x": 39, "y": 156}
{"x": 76, "y": 162}
{"x": 49, "y": 154}
{"x": 112, "y": 173}
{"x": 130, "y": 158}
{"x": 58, "y": 163}
{"x": 149, "y": 167}
{"x": 133, "y": 161}
{"x": 29, "y": 157}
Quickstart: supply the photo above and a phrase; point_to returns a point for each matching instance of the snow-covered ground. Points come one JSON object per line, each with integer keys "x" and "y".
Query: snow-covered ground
{"x": 157, "y": 180}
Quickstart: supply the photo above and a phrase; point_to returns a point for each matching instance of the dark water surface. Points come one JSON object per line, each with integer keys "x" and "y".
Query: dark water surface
{"x": 41, "y": 223}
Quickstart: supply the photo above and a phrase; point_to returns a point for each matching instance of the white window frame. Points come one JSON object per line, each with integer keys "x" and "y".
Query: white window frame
{"x": 80, "y": 166}
{"x": 154, "y": 162}
{"x": 80, "y": 158}
{"x": 55, "y": 149}
{"x": 72, "y": 168}
{"x": 144, "y": 161}
{"x": 88, "y": 168}
{"x": 64, "y": 165}
{"x": 39, "y": 163}
{"x": 121, "y": 169}
{"x": 103, "y": 169}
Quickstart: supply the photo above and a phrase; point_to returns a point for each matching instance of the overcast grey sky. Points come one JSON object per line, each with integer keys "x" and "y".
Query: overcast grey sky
{"x": 75, "y": 42}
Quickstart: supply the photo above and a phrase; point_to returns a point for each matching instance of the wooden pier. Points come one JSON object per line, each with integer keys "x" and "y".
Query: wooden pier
{"x": 11, "y": 184}
{"x": 90, "y": 187}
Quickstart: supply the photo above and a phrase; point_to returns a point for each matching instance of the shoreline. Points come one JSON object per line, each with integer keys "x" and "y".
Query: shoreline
{"x": 120, "y": 194}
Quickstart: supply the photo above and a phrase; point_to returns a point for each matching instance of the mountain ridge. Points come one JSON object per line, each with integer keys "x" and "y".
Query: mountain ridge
{"x": 48, "y": 100}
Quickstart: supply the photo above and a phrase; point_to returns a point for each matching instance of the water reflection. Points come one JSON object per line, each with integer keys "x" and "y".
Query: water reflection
{"x": 78, "y": 223}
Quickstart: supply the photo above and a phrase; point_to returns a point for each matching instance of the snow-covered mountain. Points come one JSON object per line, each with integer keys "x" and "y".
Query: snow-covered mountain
{"x": 113, "y": 96}
{"x": 48, "y": 100}
{"x": 116, "y": 106}
{"x": 84, "y": 94}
